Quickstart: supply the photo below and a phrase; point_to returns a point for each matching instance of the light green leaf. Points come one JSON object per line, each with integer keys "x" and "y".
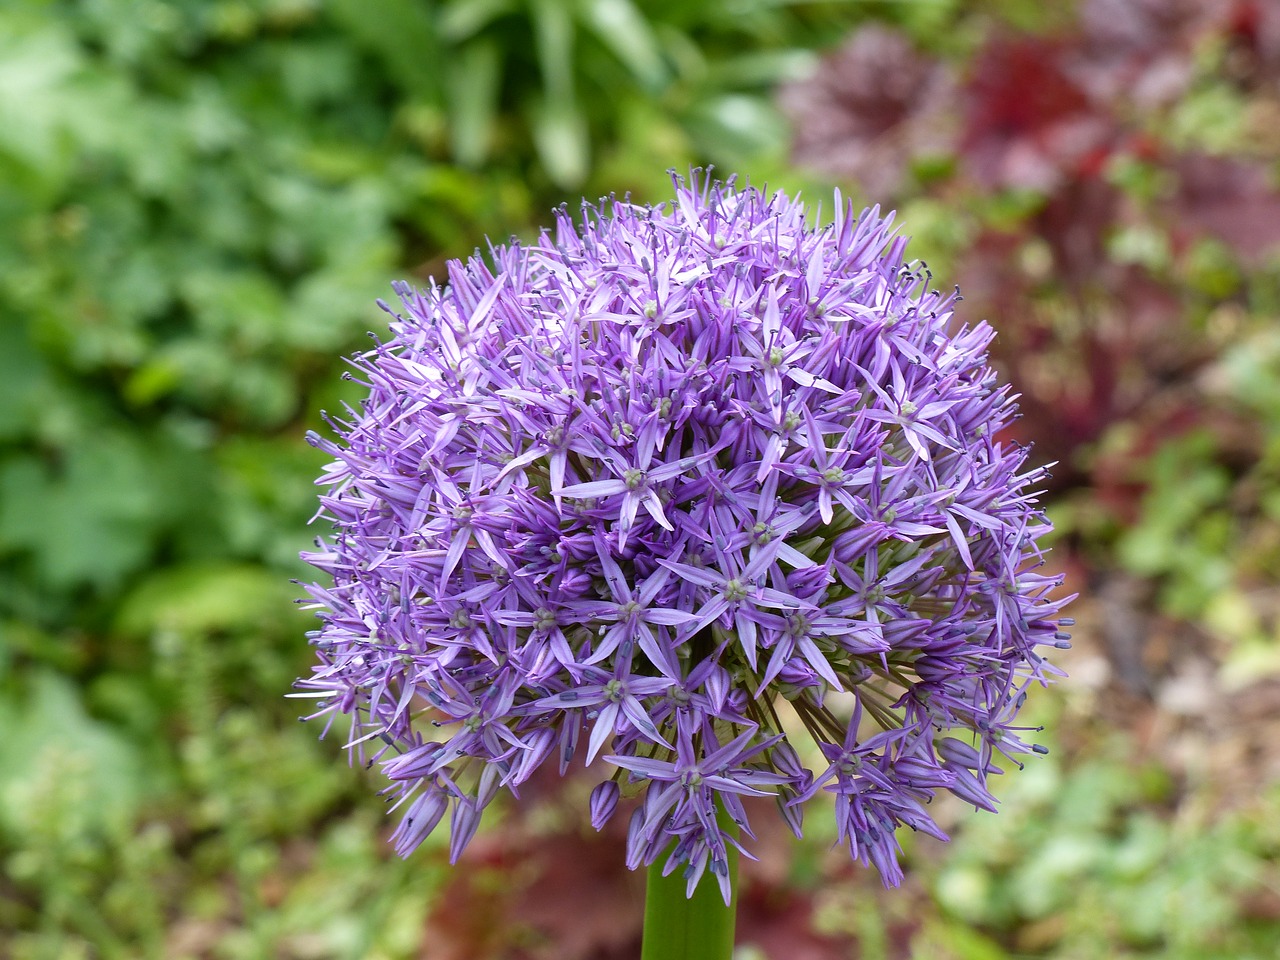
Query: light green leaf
{"x": 462, "y": 19}
{"x": 473, "y": 100}
{"x": 737, "y": 127}
{"x": 622, "y": 28}
{"x": 560, "y": 132}
{"x": 204, "y": 597}
{"x": 35, "y": 68}
{"x": 89, "y": 524}
{"x": 400, "y": 32}
{"x": 24, "y": 380}
{"x": 553, "y": 40}
{"x": 62, "y": 771}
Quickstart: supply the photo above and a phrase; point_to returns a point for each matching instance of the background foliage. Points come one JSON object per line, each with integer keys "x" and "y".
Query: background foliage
{"x": 199, "y": 202}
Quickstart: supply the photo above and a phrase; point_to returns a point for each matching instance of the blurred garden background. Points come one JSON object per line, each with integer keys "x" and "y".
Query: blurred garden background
{"x": 200, "y": 201}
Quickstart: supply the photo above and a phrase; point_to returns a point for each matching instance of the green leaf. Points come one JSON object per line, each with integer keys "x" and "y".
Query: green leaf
{"x": 462, "y": 19}
{"x": 95, "y": 514}
{"x": 962, "y": 942}
{"x": 737, "y": 127}
{"x": 266, "y": 496}
{"x": 205, "y": 597}
{"x": 622, "y": 28}
{"x": 318, "y": 72}
{"x": 560, "y": 132}
{"x": 762, "y": 68}
{"x": 60, "y": 769}
{"x": 402, "y": 33}
{"x": 473, "y": 100}
{"x": 35, "y": 67}
{"x": 553, "y": 40}
{"x": 88, "y": 524}
{"x": 243, "y": 304}
{"x": 25, "y": 386}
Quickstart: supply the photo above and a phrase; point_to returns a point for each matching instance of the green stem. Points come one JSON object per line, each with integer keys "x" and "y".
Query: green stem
{"x": 696, "y": 928}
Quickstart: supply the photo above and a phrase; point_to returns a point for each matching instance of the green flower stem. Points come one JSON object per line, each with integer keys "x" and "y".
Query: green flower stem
{"x": 697, "y": 928}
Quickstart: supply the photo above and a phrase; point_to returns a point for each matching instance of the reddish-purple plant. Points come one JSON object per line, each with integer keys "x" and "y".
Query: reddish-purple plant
{"x": 875, "y": 107}
{"x": 639, "y": 491}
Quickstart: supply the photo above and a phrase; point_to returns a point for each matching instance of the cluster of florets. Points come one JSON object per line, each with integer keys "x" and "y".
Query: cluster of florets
{"x": 658, "y": 492}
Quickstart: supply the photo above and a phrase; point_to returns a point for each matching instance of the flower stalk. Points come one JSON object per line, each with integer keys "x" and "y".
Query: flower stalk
{"x": 680, "y": 927}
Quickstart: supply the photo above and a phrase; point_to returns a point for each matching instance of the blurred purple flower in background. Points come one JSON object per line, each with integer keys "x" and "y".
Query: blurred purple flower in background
{"x": 662, "y": 491}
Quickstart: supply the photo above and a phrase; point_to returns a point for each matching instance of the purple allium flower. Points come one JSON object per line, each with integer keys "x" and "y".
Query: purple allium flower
{"x": 662, "y": 490}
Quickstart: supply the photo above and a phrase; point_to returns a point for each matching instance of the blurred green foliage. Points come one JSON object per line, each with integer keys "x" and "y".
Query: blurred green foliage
{"x": 199, "y": 202}
{"x": 1085, "y": 859}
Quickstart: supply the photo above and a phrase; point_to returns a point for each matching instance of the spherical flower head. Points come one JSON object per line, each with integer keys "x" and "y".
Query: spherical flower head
{"x": 665, "y": 491}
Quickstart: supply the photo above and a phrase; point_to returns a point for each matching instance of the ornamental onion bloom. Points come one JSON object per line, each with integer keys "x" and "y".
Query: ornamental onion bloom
{"x": 661, "y": 493}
